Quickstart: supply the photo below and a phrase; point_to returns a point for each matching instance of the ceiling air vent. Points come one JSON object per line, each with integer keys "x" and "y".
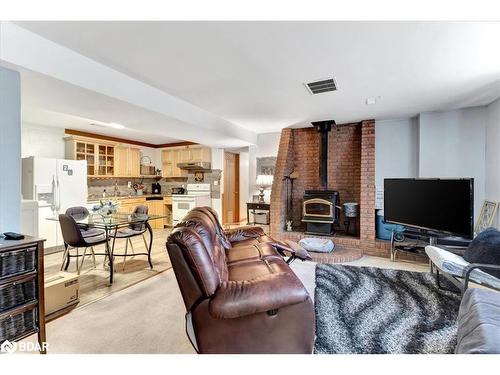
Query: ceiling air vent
{"x": 324, "y": 85}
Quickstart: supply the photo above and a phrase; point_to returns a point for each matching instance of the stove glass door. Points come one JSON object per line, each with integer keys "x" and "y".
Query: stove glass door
{"x": 318, "y": 207}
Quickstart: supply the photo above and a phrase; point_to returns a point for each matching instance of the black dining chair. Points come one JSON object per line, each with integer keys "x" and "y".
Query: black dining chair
{"x": 133, "y": 230}
{"x": 81, "y": 213}
{"x": 74, "y": 239}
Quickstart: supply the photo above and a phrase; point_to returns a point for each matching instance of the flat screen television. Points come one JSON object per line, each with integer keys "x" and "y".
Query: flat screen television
{"x": 440, "y": 206}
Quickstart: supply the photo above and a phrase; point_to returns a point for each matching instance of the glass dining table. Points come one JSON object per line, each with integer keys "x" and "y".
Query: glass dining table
{"x": 111, "y": 225}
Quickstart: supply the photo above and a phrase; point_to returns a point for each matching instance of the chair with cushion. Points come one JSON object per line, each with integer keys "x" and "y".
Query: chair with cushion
{"x": 73, "y": 239}
{"x": 479, "y": 264}
{"x": 133, "y": 230}
{"x": 81, "y": 213}
{"x": 249, "y": 303}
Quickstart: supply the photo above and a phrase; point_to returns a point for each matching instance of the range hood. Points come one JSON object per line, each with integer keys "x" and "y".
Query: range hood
{"x": 195, "y": 166}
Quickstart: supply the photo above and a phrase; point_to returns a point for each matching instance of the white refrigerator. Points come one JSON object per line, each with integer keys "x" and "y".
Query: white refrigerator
{"x": 56, "y": 185}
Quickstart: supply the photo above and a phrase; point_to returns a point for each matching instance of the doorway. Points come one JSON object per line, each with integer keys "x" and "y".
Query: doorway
{"x": 231, "y": 195}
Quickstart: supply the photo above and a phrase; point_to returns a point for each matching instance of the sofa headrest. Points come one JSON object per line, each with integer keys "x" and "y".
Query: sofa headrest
{"x": 197, "y": 256}
{"x": 198, "y": 226}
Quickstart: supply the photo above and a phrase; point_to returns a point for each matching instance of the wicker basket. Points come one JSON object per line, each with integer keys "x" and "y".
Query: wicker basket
{"x": 17, "y": 294}
{"x": 17, "y": 262}
{"x": 16, "y": 325}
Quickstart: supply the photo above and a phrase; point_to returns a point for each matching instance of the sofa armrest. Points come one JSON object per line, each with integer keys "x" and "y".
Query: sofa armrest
{"x": 294, "y": 248}
{"x": 244, "y": 233}
{"x": 471, "y": 267}
{"x": 234, "y": 299}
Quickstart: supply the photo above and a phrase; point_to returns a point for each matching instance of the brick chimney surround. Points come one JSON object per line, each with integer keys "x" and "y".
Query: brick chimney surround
{"x": 351, "y": 171}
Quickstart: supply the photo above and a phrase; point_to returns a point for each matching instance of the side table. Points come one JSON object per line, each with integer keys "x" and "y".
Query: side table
{"x": 253, "y": 207}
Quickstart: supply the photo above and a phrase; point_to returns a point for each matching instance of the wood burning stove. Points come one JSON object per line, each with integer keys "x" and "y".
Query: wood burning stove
{"x": 320, "y": 211}
{"x": 320, "y": 207}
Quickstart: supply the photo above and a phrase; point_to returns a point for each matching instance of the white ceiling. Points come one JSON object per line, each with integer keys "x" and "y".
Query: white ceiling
{"x": 50, "y": 102}
{"x": 252, "y": 73}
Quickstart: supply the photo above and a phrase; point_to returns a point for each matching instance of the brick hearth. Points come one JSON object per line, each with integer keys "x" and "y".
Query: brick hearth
{"x": 351, "y": 171}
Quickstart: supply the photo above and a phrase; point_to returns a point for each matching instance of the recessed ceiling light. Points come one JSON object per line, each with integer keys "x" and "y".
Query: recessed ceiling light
{"x": 114, "y": 125}
{"x": 372, "y": 100}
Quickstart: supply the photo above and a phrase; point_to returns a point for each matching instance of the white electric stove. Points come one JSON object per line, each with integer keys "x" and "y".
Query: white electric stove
{"x": 198, "y": 195}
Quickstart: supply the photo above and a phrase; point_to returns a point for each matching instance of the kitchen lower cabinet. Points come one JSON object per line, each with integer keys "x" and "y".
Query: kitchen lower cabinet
{"x": 167, "y": 211}
{"x": 155, "y": 207}
{"x": 128, "y": 205}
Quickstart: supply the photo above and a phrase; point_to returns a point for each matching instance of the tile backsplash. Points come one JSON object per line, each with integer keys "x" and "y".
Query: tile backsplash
{"x": 96, "y": 187}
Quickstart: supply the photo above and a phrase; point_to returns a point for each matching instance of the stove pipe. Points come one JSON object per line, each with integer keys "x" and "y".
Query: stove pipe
{"x": 323, "y": 127}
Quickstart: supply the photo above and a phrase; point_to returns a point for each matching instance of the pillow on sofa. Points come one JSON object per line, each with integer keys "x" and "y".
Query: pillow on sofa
{"x": 485, "y": 248}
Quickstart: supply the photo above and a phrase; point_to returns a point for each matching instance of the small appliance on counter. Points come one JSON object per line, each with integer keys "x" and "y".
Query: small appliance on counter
{"x": 156, "y": 188}
{"x": 178, "y": 190}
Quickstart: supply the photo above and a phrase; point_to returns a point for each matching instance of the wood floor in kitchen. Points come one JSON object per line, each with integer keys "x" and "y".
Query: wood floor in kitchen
{"x": 94, "y": 282}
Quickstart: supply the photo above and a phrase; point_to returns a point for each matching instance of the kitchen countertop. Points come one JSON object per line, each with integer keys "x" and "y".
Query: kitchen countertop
{"x": 121, "y": 197}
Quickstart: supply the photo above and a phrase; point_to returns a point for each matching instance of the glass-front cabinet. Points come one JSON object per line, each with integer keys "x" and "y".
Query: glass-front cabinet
{"x": 106, "y": 160}
{"x": 100, "y": 157}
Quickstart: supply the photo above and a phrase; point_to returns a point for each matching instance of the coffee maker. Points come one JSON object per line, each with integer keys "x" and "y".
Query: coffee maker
{"x": 156, "y": 188}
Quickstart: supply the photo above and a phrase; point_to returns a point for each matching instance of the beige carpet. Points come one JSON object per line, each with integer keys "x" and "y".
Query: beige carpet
{"x": 149, "y": 317}
{"x": 145, "y": 318}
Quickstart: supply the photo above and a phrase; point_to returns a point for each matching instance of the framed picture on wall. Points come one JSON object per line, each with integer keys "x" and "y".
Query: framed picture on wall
{"x": 486, "y": 217}
{"x": 266, "y": 165}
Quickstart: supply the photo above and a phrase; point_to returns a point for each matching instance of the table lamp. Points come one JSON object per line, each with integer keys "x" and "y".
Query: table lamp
{"x": 264, "y": 181}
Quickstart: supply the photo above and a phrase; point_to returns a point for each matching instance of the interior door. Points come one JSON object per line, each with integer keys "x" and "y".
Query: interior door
{"x": 231, "y": 201}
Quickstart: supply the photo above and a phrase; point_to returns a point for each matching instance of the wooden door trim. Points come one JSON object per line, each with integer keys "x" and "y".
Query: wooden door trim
{"x": 236, "y": 197}
{"x": 237, "y": 187}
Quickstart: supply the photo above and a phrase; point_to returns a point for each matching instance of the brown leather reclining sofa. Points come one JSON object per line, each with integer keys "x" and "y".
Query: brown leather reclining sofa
{"x": 240, "y": 294}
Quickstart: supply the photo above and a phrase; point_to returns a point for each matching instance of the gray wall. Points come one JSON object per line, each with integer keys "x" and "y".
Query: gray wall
{"x": 453, "y": 144}
{"x": 492, "y": 190}
{"x": 441, "y": 144}
{"x": 396, "y": 149}
{"x": 10, "y": 150}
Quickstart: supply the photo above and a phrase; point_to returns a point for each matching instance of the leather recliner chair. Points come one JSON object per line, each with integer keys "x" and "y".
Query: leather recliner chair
{"x": 240, "y": 294}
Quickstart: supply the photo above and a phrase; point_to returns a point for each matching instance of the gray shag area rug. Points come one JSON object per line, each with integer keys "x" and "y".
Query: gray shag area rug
{"x": 373, "y": 310}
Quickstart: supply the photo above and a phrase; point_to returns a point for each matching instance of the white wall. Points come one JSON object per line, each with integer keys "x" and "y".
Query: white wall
{"x": 396, "y": 149}
{"x": 267, "y": 145}
{"x": 10, "y": 150}
{"x": 453, "y": 144}
{"x": 42, "y": 141}
{"x": 154, "y": 154}
{"x": 492, "y": 188}
{"x": 218, "y": 163}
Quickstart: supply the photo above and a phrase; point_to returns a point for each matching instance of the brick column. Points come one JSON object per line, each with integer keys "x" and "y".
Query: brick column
{"x": 367, "y": 196}
{"x": 284, "y": 166}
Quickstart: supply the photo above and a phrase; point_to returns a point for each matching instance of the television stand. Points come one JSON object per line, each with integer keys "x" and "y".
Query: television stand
{"x": 414, "y": 242}
{"x": 410, "y": 242}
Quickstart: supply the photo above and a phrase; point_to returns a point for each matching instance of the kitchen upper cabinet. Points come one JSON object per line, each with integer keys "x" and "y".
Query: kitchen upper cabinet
{"x": 183, "y": 154}
{"x": 128, "y": 161}
{"x": 134, "y": 158}
{"x": 201, "y": 154}
{"x": 100, "y": 156}
{"x": 170, "y": 158}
